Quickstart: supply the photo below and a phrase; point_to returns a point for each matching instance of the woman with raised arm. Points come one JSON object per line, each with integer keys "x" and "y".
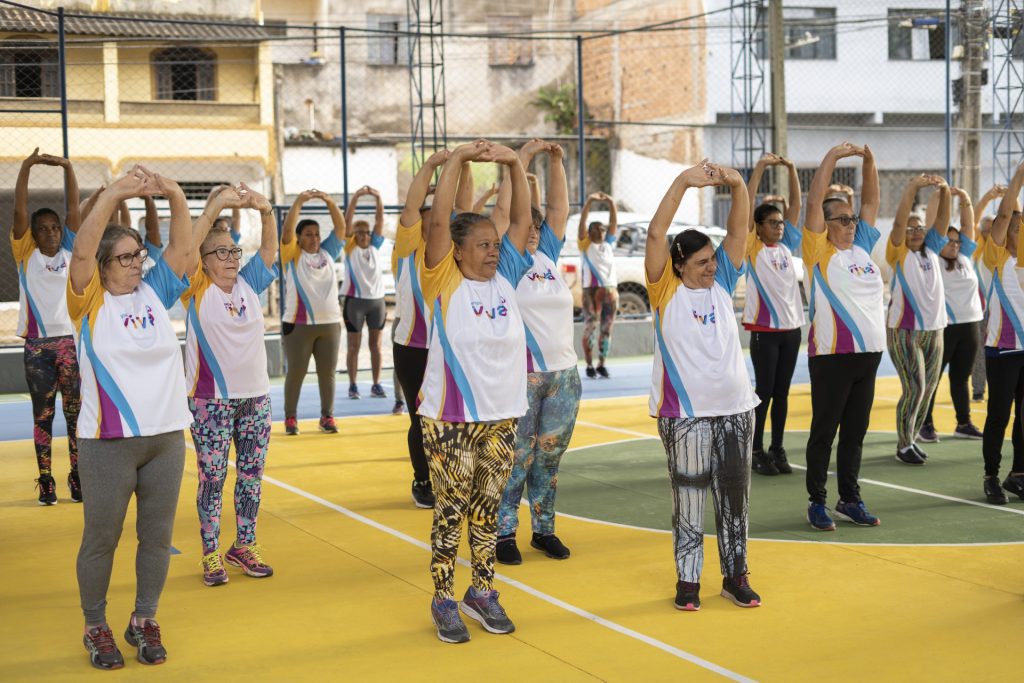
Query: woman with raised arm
{"x": 411, "y": 333}
{"x": 134, "y": 404}
{"x": 1004, "y": 344}
{"x": 917, "y": 311}
{"x": 700, "y": 390}
{"x": 41, "y": 246}
{"x": 600, "y": 287}
{"x": 474, "y": 387}
{"x": 364, "y": 290}
{"x": 553, "y": 381}
{"x": 846, "y": 338}
{"x": 311, "y": 323}
{"x": 228, "y": 385}
{"x": 773, "y": 312}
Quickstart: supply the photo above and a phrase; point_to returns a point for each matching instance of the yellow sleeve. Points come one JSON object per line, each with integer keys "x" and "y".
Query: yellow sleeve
{"x": 80, "y": 305}
{"x": 349, "y": 245}
{"x": 584, "y": 244}
{"x": 442, "y": 279}
{"x": 661, "y": 290}
{"x": 814, "y": 247}
{"x": 895, "y": 253}
{"x": 197, "y": 282}
{"x": 290, "y": 251}
{"x": 995, "y": 255}
{"x": 979, "y": 251}
{"x": 753, "y": 245}
{"x": 22, "y": 248}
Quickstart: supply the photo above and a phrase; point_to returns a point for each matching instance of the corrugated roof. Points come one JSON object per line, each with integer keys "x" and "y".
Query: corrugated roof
{"x": 138, "y": 25}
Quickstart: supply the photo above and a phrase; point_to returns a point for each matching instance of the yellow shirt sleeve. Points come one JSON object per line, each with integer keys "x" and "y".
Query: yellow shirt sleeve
{"x": 584, "y": 244}
{"x": 441, "y": 280}
{"x": 661, "y": 290}
{"x": 81, "y": 305}
{"x": 979, "y": 251}
{"x": 22, "y": 248}
{"x": 895, "y": 253}
{"x": 198, "y": 281}
{"x": 995, "y": 255}
{"x": 815, "y": 246}
{"x": 753, "y": 245}
{"x": 290, "y": 251}
{"x": 349, "y": 245}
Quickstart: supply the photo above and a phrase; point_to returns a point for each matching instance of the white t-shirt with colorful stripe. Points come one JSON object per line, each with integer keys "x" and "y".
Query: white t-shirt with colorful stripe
{"x": 364, "y": 269}
{"x": 225, "y": 356}
{"x": 598, "y": 262}
{"x": 846, "y": 311}
{"x": 699, "y": 368}
{"x": 773, "y": 293}
{"x": 43, "y": 280}
{"x": 545, "y": 303}
{"x": 133, "y": 381}
{"x": 1005, "y": 299}
{"x": 311, "y": 288}
{"x": 412, "y": 327}
{"x": 917, "y": 299}
{"x": 476, "y": 366}
{"x": 963, "y": 297}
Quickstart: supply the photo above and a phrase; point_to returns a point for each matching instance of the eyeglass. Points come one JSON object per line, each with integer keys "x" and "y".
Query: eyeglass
{"x": 223, "y": 253}
{"x": 955, "y": 243}
{"x": 772, "y": 223}
{"x": 919, "y": 228}
{"x": 844, "y": 220}
{"x": 126, "y": 260}
{"x": 362, "y": 233}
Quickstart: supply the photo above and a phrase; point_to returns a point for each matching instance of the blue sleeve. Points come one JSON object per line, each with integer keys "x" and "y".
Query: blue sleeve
{"x": 610, "y": 238}
{"x": 333, "y": 246}
{"x": 934, "y": 241}
{"x": 727, "y": 275}
{"x": 376, "y": 241}
{"x": 967, "y": 246}
{"x": 512, "y": 264}
{"x": 156, "y": 253}
{"x": 67, "y": 240}
{"x": 168, "y": 286}
{"x": 792, "y": 236}
{"x": 866, "y": 235}
{"x": 257, "y": 275}
{"x": 550, "y": 245}
{"x": 236, "y": 237}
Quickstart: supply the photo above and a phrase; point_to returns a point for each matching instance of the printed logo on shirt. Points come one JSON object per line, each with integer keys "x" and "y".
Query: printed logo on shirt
{"x": 705, "y": 318}
{"x": 925, "y": 264}
{"x": 546, "y": 275}
{"x": 58, "y": 268}
{"x": 315, "y": 261}
{"x": 501, "y": 310}
{"x": 239, "y": 312}
{"x": 779, "y": 261}
{"x": 859, "y": 270}
{"x": 139, "y": 322}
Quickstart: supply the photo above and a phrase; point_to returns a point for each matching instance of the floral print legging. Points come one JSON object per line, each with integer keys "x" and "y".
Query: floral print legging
{"x": 599, "y": 306}
{"x": 51, "y": 365}
{"x": 218, "y": 421}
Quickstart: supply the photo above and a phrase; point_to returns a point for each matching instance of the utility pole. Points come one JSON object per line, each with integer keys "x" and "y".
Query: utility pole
{"x": 780, "y": 130}
{"x": 974, "y": 20}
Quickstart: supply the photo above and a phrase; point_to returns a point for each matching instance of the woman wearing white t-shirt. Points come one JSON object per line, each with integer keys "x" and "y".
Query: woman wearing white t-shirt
{"x": 964, "y": 312}
{"x": 700, "y": 390}
{"x": 134, "y": 404}
{"x": 474, "y": 387}
{"x": 311, "y": 323}
{"x": 917, "y": 312}
{"x": 600, "y": 286}
{"x": 553, "y": 383}
{"x": 364, "y": 290}
{"x": 228, "y": 385}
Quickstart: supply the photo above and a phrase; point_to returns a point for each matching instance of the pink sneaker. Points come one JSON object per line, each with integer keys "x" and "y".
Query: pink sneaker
{"x": 291, "y": 426}
{"x": 327, "y": 425}
{"x": 249, "y": 558}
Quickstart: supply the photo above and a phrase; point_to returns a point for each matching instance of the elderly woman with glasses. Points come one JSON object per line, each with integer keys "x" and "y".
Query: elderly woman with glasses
{"x": 228, "y": 385}
{"x": 847, "y": 335}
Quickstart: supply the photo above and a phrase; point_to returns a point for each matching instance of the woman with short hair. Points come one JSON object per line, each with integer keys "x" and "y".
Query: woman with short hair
{"x": 600, "y": 286}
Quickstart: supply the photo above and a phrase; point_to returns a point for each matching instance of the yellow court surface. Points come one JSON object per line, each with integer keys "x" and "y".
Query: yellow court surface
{"x": 350, "y": 596}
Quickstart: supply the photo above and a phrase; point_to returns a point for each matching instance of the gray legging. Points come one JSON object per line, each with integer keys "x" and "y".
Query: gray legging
{"x": 322, "y": 343}
{"x": 111, "y": 470}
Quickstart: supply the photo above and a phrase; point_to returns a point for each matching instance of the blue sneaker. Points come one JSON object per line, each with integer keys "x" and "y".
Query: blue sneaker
{"x": 817, "y": 515}
{"x": 450, "y": 628}
{"x": 856, "y": 513}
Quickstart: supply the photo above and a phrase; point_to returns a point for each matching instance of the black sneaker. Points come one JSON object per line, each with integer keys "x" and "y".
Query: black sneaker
{"x": 762, "y": 464}
{"x": 145, "y": 635}
{"x": 687, "y": 596}
{"x": 75, "y": 485}
{"x": 602, "y": 372}
{"x": 47, "y": 490}
{"x": 1014, "y": 483}
{"x": 423, "y": 494}
{"x": 917, "y": 449}
{"x": 967, "y": 431}
{"x": 591, "y": 372}
{"x": 103, "y": 652}
{"x": 927, "y": 434}
{"x": 739, "y": 591}
{"x": 550, "y": 545}
{"x": 507, "y": 552}
{"x": 908, "y": 456}
{"x": 778, "y": 456}
{"x": 994, "y": 494}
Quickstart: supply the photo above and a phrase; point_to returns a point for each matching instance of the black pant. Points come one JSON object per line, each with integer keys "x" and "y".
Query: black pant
{"x": 959, "y": 348}
{"x": 1005, "y": 377}
{"x": 842, "y": 391}
{"x": 774, "y": 357}
{"x": 410, "y": 366}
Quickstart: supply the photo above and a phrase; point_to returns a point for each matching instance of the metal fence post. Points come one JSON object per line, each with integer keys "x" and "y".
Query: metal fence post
{"x": 62, "y": 58}
{"x": 344, "y": 118}
{"x": 580, "y": 141}
{"x": 949, "y": 103}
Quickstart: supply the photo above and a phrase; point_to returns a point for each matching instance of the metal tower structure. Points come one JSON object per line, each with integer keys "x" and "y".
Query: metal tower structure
{"x": 748, "y": 103}
{"x": 427, "y": 113}
{"x": 1007, "y": 88}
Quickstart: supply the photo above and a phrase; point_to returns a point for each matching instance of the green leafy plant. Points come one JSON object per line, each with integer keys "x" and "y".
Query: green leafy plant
{"x": 559, "y": 106}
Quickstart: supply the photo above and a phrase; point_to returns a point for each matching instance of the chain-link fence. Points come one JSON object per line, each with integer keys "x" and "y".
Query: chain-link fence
{"x": 297, "y": 100}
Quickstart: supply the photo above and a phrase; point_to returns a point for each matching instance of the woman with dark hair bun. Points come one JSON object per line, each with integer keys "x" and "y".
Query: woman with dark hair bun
{"x": 700, "y": 390}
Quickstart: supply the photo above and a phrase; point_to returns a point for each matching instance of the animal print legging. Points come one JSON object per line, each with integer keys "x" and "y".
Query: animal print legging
{"x": 709, "y": 452}
{"x": 469, "y": 467}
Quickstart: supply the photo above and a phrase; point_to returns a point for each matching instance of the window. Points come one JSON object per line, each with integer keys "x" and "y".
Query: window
{"x": 27, "y": 69}
{"x": 810, "y": 33}
{"x": 510, "y": 51}
{"x": 185, "y": 73}
{"x": 919, "y": 34}
{"x": 387, "y": 49}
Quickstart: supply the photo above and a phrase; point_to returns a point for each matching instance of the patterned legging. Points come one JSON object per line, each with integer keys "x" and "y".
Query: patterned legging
{"x": 599, "y": 304}
{"x": 917, "y": 355}
{"x": 703, "y": 452}
{"x": 469, "y": 467}
{"x": 541, "y": 439}
{"x": 51, "y": 365}
{"x": 217, "y": 422}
